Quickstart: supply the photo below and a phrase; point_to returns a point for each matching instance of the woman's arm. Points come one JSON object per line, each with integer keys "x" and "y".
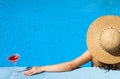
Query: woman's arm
{"x": 67, "y": 66}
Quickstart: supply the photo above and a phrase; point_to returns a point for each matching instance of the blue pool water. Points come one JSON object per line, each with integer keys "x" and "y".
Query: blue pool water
{"x": 46, "y": 32}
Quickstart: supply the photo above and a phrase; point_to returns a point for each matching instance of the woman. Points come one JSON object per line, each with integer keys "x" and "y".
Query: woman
{"x": 103, "y": 40}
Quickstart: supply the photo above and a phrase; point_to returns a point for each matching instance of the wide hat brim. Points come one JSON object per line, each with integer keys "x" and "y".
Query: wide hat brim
{"x": 94, "y": 30}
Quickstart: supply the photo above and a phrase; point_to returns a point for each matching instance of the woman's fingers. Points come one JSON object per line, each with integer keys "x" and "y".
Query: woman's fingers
{"x": 32, "y": 71}
{"x": 29, "y": 72}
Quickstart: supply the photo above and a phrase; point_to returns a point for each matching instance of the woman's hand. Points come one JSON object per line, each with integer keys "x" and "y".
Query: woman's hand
{"x": 33, "y": 70}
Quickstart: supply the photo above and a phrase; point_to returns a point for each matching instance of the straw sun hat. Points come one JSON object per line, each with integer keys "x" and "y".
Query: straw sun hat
{"x": 103, "y": 39}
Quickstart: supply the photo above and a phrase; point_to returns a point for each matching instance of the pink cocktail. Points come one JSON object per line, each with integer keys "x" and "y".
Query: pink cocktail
{"x": 13, "y": 58}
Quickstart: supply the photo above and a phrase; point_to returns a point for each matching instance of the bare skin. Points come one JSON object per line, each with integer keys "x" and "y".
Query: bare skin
{"x": 67, "y": 66}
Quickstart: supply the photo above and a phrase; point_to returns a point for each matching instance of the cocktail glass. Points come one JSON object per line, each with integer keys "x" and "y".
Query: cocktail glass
{"x": 13, "y": 59}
